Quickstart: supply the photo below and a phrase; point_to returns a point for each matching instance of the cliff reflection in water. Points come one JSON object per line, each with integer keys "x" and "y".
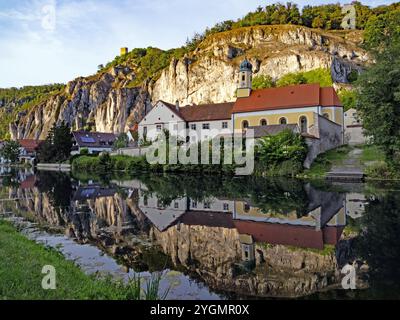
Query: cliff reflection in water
{"x": 242, "y": 237}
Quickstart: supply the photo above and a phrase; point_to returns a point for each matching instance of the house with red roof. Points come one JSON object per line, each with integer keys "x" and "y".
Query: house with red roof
{"x": 29, "y": 149}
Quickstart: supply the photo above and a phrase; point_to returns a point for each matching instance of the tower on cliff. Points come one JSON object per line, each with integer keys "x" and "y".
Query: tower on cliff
{"x": 245, "y": 79}
{"x": 124, "y": 51}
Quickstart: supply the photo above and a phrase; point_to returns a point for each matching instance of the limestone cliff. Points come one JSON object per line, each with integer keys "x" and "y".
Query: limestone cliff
{"x": 108, "y": 102}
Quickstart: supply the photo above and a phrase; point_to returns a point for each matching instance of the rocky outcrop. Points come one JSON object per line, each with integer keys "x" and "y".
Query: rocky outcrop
{"x": 214, "y": 255}
{"x": 210, "y": 74}
{"x": 101, "y": 103}
{"x": 106, "y": 102}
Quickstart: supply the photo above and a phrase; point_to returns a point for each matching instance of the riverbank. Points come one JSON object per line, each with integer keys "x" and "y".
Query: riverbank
{"x": 21, "y": 263}
{"x": 368, "y": 159}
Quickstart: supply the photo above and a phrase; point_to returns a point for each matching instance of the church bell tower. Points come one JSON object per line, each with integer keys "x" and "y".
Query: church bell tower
{"x": 245, "y": 79}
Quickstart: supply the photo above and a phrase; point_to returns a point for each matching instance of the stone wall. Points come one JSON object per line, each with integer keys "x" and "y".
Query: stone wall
{"x": 327, "y": 135}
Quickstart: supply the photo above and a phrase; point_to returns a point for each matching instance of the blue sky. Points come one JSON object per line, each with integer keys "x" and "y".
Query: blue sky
{"x": 49, "y": 41}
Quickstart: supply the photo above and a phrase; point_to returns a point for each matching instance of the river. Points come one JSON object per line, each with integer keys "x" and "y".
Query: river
{"x": 216, "y": 238}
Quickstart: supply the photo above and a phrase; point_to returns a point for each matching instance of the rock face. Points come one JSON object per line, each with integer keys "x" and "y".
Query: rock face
{"x": 101, "y": 103}
{"x": 105, "y": 102}
{"x": 214, "y": 255}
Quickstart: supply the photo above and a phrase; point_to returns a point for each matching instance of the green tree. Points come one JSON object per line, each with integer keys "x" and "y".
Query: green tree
{"x": 262, "y": 81}
{"x": 378, "y": 102}
{"x": 121, "y": 142}
{"x": 291, "y": 79}
{"x": 10, "y": 151}
{"x": 348, "y": 98}
{"x": 382, "y": 31}
{"x": 58, "y": 144}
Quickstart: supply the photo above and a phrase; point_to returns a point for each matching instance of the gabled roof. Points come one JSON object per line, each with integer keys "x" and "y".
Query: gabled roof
{"x": 207, "y": 112}
{"x": 172, "y": 107}
{"x": 284, "y": 234}
{"x": 202, "y": 112}
{"x": 86, "y": 139}
{"x": 30, "y": 145}
{"x": 297, "y": 96}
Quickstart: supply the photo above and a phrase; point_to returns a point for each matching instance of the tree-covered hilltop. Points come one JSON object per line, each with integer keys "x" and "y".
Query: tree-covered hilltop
{"x": 150, "y": 61}
{"x": 15, "y": 100}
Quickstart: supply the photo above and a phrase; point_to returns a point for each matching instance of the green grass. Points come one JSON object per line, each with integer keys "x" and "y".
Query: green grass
{"x": 328, "y": 250}
{"x": 21, "y": 263}
{"x": 371, "y": 153}
{"x": 325, "y": 161}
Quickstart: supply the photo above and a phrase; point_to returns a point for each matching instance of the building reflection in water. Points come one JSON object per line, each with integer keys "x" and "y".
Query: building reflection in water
{"x": 209, "y": 234}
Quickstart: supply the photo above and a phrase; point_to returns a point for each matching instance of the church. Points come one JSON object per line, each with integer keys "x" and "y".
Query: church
{"x": 314, "y": 111}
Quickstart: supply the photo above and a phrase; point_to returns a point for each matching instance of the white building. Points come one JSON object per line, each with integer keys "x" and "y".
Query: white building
{"x": 190, "y": 123}
{"x": 353, "y": 128}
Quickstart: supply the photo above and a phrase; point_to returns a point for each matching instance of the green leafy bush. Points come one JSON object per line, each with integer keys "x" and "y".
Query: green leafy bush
{"x": 282, "y": 154}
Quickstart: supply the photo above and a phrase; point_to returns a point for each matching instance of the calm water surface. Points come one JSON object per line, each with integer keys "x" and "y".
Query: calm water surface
{"x": 215, "y": 238}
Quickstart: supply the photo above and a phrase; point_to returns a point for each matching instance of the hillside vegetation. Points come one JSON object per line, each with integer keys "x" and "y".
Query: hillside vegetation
{"x": 16, "y": 100}
{"x": 147, "y": 64}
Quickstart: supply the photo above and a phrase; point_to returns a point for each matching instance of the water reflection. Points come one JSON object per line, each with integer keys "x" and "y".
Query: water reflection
{"x": 242, "y": 237}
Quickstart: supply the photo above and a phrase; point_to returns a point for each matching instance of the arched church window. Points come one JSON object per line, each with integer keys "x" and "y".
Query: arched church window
{"x": 282, "y": 121}
{"x": 263, "y": 122}
{"x": 303, "y": 124}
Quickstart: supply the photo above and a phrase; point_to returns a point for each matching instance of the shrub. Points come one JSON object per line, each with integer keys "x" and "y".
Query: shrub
{"x": 84, "y": 151}
{"x": 282, "y": 154}
{"x": 380, "y": 170}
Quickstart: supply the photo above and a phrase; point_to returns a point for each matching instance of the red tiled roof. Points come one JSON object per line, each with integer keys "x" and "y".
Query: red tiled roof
{"x": 207, "y": 112}
{"x": 203, "y": 112}
{"x": 285, "y": 234}
{"x": 28, "y": 183}
{"x": 297, "y": 96}
{"x": 208, "y": 218}
{"x": 30, "y": 145}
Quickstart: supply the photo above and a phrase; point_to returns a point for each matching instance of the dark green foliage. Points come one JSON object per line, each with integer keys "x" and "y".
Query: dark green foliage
{"x": 348, "y": 98}
{"x": 121, "y": 142}
{"x": 378, "y": 99}
{"x": 321, "y": 76}
{"x": 147, "y": 62}
{"x": 379, "y": 244}
{"x": 282, "y": 154}
{"x": 382, "y": 31}
{"x": 15, "y": 100}
{"x": 262, "y": 82}
{"x": 58, "y": 145}
{"x": 10, "y": 151}
{"x": 57, "y": 186}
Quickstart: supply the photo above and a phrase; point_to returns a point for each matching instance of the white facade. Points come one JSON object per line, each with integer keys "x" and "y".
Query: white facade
{"x": 212, "y": 205}
{"x": 353, "y": 128}
{"x": 159, "y": 118}
{"x": 205, "y": 130}
{"x": 161, "y": 216}
{"x": 163, "y": 117}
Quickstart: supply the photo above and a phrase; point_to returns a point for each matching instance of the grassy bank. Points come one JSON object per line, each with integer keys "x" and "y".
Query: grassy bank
{"x": 279, "y": 155}
{"x": 21, "y": 263}
{"x": 325, "y": 161}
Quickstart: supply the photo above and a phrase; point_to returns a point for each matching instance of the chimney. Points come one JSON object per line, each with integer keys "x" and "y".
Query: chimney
{"x": 177, "y": 105}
